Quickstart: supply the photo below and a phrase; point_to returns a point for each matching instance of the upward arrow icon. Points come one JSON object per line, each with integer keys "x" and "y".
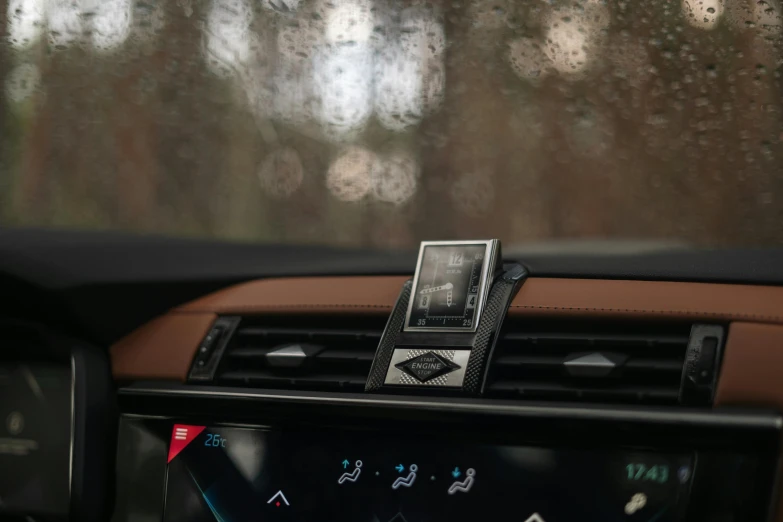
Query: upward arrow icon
{"x": 282, "y": 497}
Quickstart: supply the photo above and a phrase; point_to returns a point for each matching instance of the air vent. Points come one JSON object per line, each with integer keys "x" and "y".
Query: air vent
{"x": 303, "y": 353}
{"x": 592, "y": 362}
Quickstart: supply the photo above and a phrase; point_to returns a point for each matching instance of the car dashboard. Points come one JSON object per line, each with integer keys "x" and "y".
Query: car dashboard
{"x": 314, "y": 397}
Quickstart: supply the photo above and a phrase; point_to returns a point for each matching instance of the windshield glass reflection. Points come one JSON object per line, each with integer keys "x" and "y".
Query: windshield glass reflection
{"x": 384, "y": 122}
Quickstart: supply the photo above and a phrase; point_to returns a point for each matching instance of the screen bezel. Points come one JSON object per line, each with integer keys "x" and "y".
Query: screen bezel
{"x": 710, "y": 433}
{"x": 492, "y": 439}
{"x": 490, "y": 254}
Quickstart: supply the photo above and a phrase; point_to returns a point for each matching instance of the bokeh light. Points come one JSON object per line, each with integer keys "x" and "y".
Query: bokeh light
{"x": 409, "y": 72}
{"x": 527, "y": 59}
{"x": 104, "y": 25}
{"x": 349, "y": 21}
{"x": 26, "y": 22}
{"x": 227, "y": 36}
{"x": 343, "y": 83}
{"x": 566, "y": 44}
{"x": 703, "y": 14}
{"x": 396, "y": 177}
{"x": 574, "y": 34}
{"x": 281, "y": 173}
{"x": 422, "y": 33}
{"x": 110, "y": 23}
{"x": 65, "y": 22}
{"x": 349, "y": 177}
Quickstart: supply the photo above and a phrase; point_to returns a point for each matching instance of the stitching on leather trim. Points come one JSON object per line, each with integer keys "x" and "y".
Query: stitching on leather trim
{"x": 674, "y": 312}
{"x": 268, "y": 308}
{"x": 278, "y": 307}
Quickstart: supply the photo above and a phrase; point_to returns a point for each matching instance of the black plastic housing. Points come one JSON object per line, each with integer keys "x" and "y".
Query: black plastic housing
{"x": 481, "y": 343}
{"x": 93, "y": 415}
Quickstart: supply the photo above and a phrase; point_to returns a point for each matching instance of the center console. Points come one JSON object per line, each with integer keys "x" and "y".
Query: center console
{"x": 320, "y": 458}
{"x": 425, "y": 439}
{"x": 239, "y": 474}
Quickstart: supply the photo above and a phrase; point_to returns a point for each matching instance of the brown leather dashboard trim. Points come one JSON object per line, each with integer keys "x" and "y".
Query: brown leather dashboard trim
{"x": 161, "y": 349}
{"x": 752, "y": 370}
{"x": 648, "y": 299}
{"x": 164, "y": 348}
{"x": 369, "y": 294}
{"x": 538, "y": 296}
{"x": 751, "y": 373}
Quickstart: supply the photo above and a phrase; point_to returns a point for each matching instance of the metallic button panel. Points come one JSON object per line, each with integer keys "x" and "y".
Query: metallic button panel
{"x": 450, "y": 376}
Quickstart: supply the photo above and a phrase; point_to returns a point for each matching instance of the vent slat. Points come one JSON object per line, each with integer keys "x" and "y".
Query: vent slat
{"x": 556, "y": 362}
{"x": 656, "y": 365}
{"x": 334, "y": 355}
{"x": 306, "y": 333}
{"x": 249, "y": 353}
{"x": 528, "y": 360}
{"x": 346, "y": 355}
{"x": 621, "y": 362}
{"x": 547, "y": 337}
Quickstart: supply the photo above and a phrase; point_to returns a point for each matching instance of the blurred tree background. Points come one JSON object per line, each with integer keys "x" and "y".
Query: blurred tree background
{"x": 382, "y": 123}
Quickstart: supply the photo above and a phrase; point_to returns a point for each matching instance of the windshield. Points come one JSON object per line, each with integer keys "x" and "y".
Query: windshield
{"x": 385, "y": 122}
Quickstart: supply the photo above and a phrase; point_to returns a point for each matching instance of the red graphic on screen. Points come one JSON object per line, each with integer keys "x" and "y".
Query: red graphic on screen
{"x": 181, "y": 436}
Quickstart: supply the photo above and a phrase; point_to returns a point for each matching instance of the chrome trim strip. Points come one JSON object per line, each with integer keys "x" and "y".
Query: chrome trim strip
{"x": 728, "y": 418}
{"x": 73, "y": 423}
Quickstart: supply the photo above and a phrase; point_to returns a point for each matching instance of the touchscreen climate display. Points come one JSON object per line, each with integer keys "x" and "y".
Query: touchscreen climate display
{"x": 237, "y": 475}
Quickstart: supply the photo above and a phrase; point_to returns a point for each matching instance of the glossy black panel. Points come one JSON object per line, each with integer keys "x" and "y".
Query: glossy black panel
{"x": 58, "y": 437}
{"x": 735, "y": 451}
{"x": 319, "y": 475}
{"x": 35, "y": 437}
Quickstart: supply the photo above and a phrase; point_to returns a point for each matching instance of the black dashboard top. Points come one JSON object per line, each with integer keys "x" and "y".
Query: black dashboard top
{"x": 67, "y": 258}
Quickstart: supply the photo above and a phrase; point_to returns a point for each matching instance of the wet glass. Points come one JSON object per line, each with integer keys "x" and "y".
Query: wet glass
{"x": 383, "y": 122}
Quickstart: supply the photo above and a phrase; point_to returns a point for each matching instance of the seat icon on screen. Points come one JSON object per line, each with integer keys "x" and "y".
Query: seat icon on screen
{"x": 464, "y": 485}
{"x": 407, "y": 481}
{"x": 352, "y": 476}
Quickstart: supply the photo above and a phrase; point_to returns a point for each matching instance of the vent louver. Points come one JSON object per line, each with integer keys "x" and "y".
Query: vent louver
{"x": 590, "y": 362}
{"x": 307, "y": 353}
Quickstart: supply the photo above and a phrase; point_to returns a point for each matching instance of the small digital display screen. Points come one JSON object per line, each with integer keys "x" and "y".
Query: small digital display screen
{"x": 35, "y": 438}
{"x": 448, "y": 289}
{"x": 243, "y": 475}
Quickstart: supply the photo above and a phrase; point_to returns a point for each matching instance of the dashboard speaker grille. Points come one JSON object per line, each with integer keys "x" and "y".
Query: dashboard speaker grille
{"x": 304, "y": 352}
{"x": 591, "y": 362}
